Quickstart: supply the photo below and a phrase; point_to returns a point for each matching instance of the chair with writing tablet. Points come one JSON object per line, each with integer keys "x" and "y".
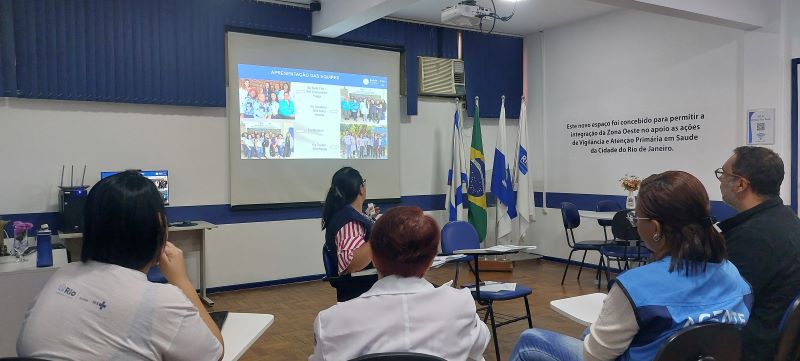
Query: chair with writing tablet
{"x": 789, "y": 341}
{"x": 469, "y": 240}
{"x": 703, "y": 342}
{"x": 398, "y": 356}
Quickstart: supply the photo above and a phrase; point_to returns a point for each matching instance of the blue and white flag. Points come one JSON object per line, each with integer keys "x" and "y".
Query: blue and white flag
{"x": 522, "y": 183}
{"x": 457, "y": 176}
{"x": 502, "y": 184}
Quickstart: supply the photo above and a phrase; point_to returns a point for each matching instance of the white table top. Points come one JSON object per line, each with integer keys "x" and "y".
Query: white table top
{"x": 241, "y": 330}
{"x": 597, "y": 215}
{"x": 200, "y": 225}
{"x": 10, "y": 264}
{"x": 581, "y": 309}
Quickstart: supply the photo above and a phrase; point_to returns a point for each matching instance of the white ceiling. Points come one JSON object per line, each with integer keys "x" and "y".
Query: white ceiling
{"x": 530, "y": 16}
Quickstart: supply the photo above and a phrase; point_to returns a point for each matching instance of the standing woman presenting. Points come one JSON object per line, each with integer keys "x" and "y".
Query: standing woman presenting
{"x": 347, "y": 231}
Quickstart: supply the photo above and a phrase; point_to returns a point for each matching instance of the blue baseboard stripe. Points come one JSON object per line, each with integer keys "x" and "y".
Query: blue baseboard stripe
{"x": 577, "y": 263}
{"x": 246, "y": 286}
{"x": 223, "y": 214}
{"x": 288, "y": 281}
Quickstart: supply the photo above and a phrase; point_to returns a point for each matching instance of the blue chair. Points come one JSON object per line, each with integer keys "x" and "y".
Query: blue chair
{"x": 398, "y": 356}
{"x": 703, "y": 342}
{"x": 607, "y": 206}
{"x": 572, "y": 219}
{"x": 455, "y": 238}
{"x": 789, "y": 341}
{"x": 622, "y": 252}
{"x": 331, "y": 273}
{"x": 155, "y": 275}
{"x": 461, "y": 235}
{"x": 347, "y": 287}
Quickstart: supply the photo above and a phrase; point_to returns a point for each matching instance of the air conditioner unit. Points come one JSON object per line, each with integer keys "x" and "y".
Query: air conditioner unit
{"x": 441, "y": 77}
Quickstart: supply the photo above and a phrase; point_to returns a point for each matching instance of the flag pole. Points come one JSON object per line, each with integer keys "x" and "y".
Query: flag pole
{"x": 496, "y": 206}
{"x": 519, "y": 220}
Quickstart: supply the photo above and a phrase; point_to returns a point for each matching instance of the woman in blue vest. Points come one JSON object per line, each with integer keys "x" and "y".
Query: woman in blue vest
{"x": 689, "y": 281}
{"x": 347, "y": 232}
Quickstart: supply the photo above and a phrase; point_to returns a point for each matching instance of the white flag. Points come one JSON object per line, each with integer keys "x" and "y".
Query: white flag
{"x": 502, "y": 184}
{"x": 456, "y": 175}
{"x": 522, "y": 183}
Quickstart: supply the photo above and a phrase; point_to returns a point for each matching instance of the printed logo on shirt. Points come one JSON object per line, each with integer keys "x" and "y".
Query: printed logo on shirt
{"x": 66, "y": 291}
{"x": 100, "y": 304}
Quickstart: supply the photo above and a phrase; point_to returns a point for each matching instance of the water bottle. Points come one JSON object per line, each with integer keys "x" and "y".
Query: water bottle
{"x": 44, "y": 247}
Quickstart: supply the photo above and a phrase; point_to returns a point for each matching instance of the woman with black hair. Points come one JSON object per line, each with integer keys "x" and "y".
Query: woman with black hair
{"x": 347, "y": 230}
{"x": 104, "y": 308}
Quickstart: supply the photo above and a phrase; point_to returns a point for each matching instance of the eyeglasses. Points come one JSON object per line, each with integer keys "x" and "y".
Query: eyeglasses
{"x": 719, "y": 172}
{"x": 633, "y": 218}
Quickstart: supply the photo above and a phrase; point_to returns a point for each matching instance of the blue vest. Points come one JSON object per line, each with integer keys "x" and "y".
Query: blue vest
{"x": 344, "y": 216}
{"x": 665, "y": 302}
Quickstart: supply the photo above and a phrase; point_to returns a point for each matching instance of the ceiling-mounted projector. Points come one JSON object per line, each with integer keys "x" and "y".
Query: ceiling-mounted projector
{"x": 465, "y": 13}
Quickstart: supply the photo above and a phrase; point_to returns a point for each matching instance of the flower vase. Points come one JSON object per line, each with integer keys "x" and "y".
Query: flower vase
{"x": 630, "y": 201}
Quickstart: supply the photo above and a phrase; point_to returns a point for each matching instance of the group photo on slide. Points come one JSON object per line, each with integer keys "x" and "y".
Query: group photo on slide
{"x": 362, "y": 106}
{"x": 265, "y": 143}
{"x": 363, "y": 142}
{"x": 265, "y": 99}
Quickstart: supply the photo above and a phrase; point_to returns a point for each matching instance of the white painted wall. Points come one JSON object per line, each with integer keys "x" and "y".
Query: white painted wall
{"x": 628, "y": 62}
{"x": 41, "y": 135}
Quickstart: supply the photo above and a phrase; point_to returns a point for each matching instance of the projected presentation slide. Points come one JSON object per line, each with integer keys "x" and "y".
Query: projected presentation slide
{"x": 289, "y": 113}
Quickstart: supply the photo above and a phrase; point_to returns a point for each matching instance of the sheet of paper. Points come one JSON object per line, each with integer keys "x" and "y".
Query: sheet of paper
{"x": 491, "y": 286}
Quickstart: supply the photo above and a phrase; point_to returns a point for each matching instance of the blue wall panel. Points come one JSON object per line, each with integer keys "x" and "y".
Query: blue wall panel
{"x": 8, "y": 84}
{"x": 493, "y": 67}
{"x": 173, "y": 51}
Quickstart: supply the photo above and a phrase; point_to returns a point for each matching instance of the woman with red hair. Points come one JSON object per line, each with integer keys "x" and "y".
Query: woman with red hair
{"x": 402, "y": 312}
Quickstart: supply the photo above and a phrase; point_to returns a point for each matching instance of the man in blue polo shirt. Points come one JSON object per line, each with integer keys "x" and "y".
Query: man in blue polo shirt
{"x": 286, "y": 106}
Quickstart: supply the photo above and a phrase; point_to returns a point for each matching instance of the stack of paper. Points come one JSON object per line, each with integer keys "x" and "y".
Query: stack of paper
{"x": 509, "y": 247}
{"x": 491, "y": 286}
{"x": 440, "y": 260}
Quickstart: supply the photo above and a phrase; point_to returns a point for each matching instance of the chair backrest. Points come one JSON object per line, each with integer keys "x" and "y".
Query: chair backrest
{"x": 459, "y": 235}
{"x": 703, "y": 342}
{"x": 622, "y": 228}
{"x": 789, "y": 341}
{"x": 607, "y": 206}
{"x": 570, "y": 216}
{"x": 398, "y": 356}
{"x": 330, "y": 265}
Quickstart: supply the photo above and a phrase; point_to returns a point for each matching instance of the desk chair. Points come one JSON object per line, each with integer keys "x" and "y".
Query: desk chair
{"x": 607, "y": 206}
{"x": 469, "y": 240}
{"x": 789, "y": 341}
{"x": 572, "y": 219}
{"x": 347, "y": 287}
{"x": 455, "y": 238}
{"x": 622, "y": 252}
{"x": 703, "y": 342}
{"x": 155, "y": 275}
{"x": 398, "y": 356}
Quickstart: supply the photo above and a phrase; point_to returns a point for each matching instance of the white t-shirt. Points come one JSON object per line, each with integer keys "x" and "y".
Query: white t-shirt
{"x": 400, "y": 314}
{"x": 99, "y": 311}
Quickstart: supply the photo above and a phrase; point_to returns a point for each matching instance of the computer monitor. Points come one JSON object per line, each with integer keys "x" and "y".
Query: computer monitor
{"x": 159, "y": 177}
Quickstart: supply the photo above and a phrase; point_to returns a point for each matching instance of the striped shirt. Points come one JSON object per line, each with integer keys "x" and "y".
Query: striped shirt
{"x": 349, "y": 237}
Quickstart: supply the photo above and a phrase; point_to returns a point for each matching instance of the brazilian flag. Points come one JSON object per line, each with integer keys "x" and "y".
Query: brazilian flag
{"x": 476, "y": 196}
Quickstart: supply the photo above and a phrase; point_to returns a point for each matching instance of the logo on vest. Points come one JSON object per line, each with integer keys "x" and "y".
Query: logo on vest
{"x": 719, "y": 316}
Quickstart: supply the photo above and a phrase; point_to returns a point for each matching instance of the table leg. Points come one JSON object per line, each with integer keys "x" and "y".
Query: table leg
{"x": 203, "y": 295}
